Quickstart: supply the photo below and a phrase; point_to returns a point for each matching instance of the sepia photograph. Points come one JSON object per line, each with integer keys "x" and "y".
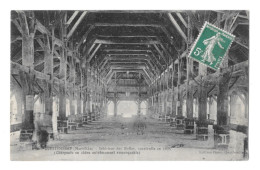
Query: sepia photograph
{"x": 129, "y": 85}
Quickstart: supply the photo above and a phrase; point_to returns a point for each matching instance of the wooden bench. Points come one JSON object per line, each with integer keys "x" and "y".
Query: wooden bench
{"x": 221, "y": 140}
{"x": 173, "y": 122}
{"x": 62, "y": 126}
{"x": 49, "y": 130}
{"x": 180, "y": 123}
{"x": 168, "y": 119}
{"x": 72, "y": 125}
{"x": 202, "y": 133}
{"x": 221, "y": 137}
{"x": 189, "y": 126}
{"x": 160, "y": 117}
{"x": 26, "y": 135}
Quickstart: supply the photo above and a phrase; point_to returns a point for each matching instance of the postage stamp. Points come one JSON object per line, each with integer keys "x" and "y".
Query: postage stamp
{"x": 211, "y": 46}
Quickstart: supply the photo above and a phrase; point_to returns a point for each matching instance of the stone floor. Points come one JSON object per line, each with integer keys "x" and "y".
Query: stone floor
{"x": 117, "y": 139}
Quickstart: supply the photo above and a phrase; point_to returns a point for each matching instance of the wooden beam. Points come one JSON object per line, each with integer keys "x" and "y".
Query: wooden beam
{"x": 15, "y": 67}
{"x": 194, "y": 20}
{"x": 160, "y": 53}
{"x": 76, "y": 25}
{"x": 72, "y": 18}
{"x": 114, "y": 42}
{"x": 125, "y": 25}
{"x": 93, "y": 53}
{"x": 38, "y": 63}
{"x": 42, "y": 28}
{"x": 18, "y": 26}
{"x": 176, "y": 25}
{"x": 84, "y": 37}
{"x": 23, "y": 22}
{"x": 182, "y": 19}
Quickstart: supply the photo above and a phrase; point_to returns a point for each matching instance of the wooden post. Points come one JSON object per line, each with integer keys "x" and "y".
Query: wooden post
{"x": 48, "y": 69}
{"x": 173, "y": 92}
{"x": 115, "y": 107}
{"x": 71, "y": 98}
{"x": 223, "y": 82}
{"x": 63, "y": 75}
{"x": 189, "y": 90}
{"x": 179, "y": 92}
{"x": 222, "y": 99}
{"x": 27, "y": 79}
{"x": 202, "y": 93}
{"x": 115, "y": 98}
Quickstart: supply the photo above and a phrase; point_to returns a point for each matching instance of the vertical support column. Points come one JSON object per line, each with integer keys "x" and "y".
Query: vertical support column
{"x": 173, "y": 92}
{"x": 202, "y": 126}
{"x": 48, "y": 69}
{"x": 71, "y": 103}
{"x": 27, "y": 79}
{"x": 179, "y": 95}
{"x": 222, "y": 137}
{"x": 189, "y": 90}
{"x": 115, "y": 98}
{"x": 202, "y": 94}
{"x": 138, "y": 107}
{"x": 115, "y": 107}
{"x": 84, "y": 89}
{"x": 222, "y": 100}
{"x": 63, "y": 75}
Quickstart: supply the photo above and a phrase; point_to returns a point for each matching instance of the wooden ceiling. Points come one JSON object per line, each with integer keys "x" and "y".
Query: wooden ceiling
{"x": 137, "y": 44}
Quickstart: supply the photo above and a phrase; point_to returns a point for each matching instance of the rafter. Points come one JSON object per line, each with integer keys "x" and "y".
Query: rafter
{"x": 72, "y": 18}
{"x": 176, "y": 25}
{"x": 76, "y": 24}
{"x": 93, "y": 53}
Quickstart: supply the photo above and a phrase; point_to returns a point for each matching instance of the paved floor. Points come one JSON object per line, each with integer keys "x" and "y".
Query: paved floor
{"x": 117, "y": 139}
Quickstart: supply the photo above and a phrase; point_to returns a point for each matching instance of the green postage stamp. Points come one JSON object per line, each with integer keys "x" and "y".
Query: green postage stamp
{"x": 211, "y": 46}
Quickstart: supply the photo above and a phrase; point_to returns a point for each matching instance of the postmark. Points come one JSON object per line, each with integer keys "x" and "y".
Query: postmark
{"x": 211, "y": 46}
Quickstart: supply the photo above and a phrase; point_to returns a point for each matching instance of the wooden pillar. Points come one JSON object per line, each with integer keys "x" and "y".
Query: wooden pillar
{"x": 202, "y": 93}
{"x": 63, "y": 75}
{"x": 223, "y": 82}
{"x": 28, "y": 97}
{"x": 115, "y": 107}
{"x": 174, "y": 102}
{"x": 179, "y": 92}
{"x": 222, "y": 99}
{"x": 71, "y": 100}
{"x": 84, "y": 93}
{"x": 189, "y": 89}
{"x": 48, "y": 69}
{"x": 89, "y": 101}
{"x": 139, "y": 106}
{"x": 174, "y": 99}
{"x": 63, "y": 86}
{"x": 62, "y": 102}
{"x": 27, "y": 79}
{"x": 85, "y": 88}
